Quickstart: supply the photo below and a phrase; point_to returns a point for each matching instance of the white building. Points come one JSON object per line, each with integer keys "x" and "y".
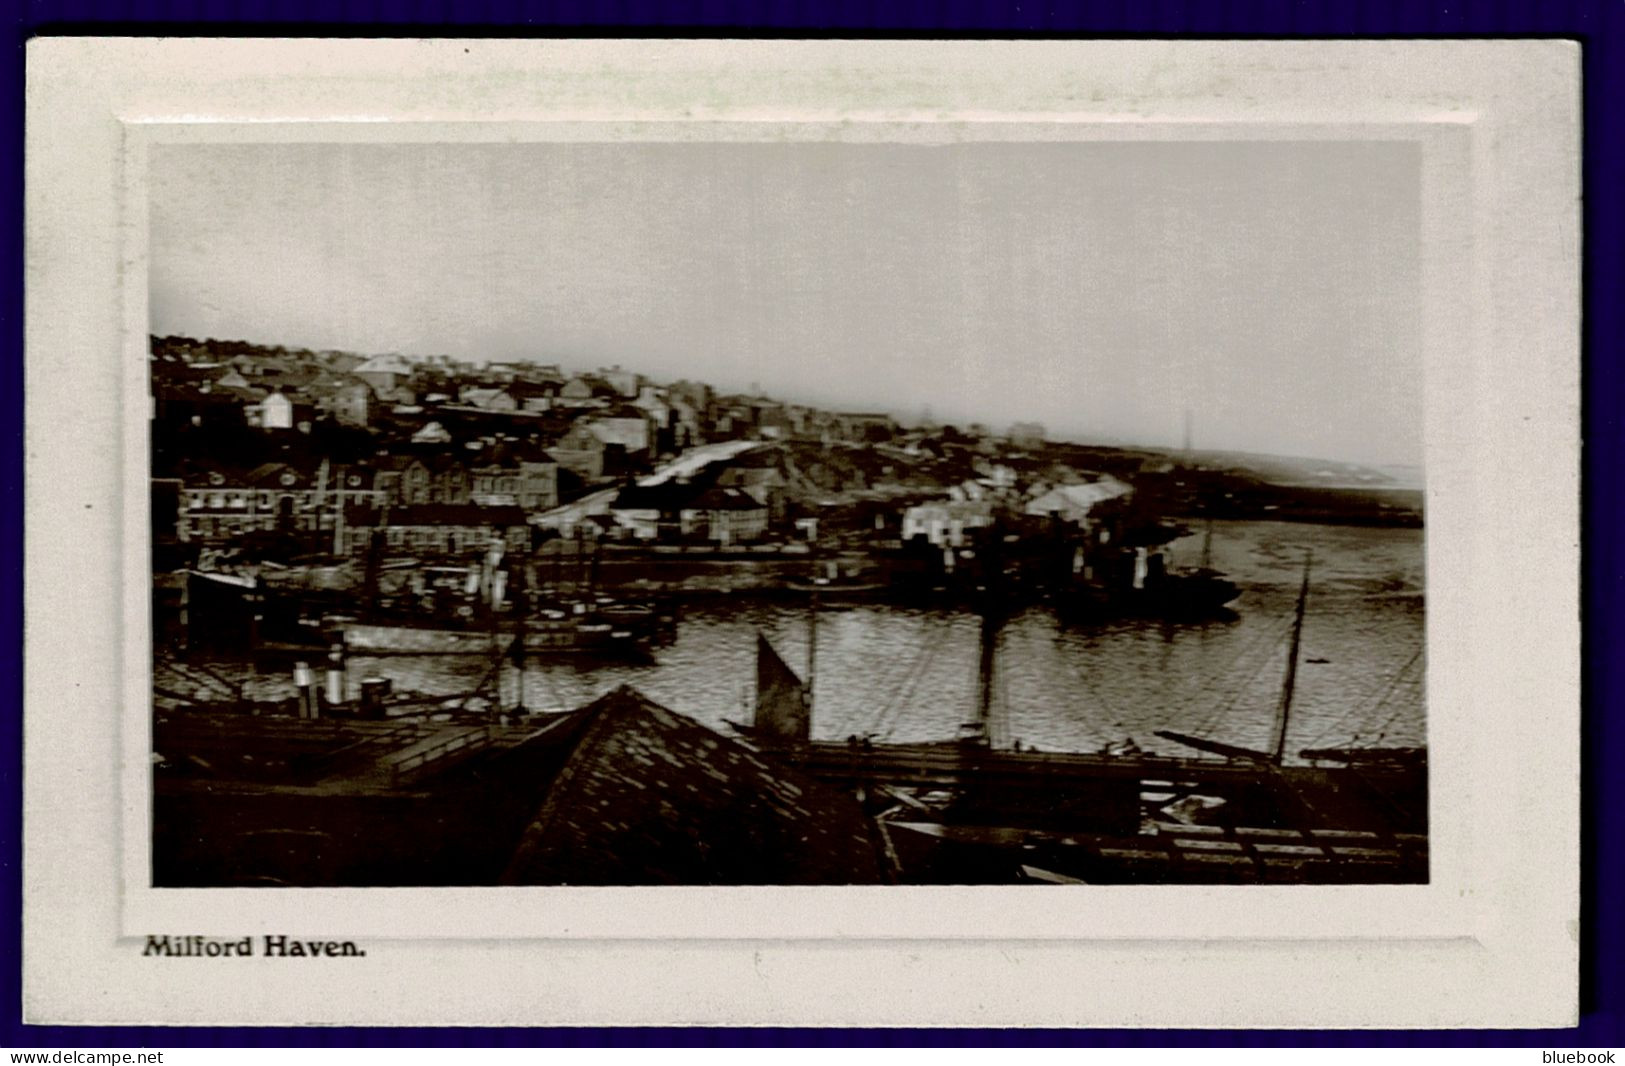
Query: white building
{"x": 276, "y": 412}
{"x": 1072, "y": 503}
{"x": 627, "y": 426}
{"x": 945, "y": 524}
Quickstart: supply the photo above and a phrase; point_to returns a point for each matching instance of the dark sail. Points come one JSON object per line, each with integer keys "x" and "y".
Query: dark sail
{"x": 781, "y": 699}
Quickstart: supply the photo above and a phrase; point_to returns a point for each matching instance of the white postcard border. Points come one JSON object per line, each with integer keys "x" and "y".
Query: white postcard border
{"x": 1489, "y": 941}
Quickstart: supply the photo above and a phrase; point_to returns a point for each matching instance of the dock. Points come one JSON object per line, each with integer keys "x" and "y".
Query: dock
{"x": 1100, "y": 805}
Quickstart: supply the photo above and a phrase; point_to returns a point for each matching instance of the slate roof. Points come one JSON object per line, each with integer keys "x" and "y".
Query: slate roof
{"x": 650, "y": 796}
{"x": 725, "y": 499}
{"x": 385, "y": 364}
{"x": 666, "y": 496}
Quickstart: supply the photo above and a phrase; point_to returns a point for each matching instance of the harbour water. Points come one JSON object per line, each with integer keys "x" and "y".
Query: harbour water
{"x": 906, "y": 674}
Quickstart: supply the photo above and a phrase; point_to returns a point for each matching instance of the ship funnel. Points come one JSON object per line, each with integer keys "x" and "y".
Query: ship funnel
{"x": 335, "y": 676}
{"x": 304, "y": 679}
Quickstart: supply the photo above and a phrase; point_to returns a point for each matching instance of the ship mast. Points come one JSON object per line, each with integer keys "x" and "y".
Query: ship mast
{"x": 812, "y": 651}
{"x": 993, "y": 609}
{"x": 984, "y": 674}
{"x": 372, "y": 567}
{"x": 521, "y": 600}
{"x": 1278, "y": 748}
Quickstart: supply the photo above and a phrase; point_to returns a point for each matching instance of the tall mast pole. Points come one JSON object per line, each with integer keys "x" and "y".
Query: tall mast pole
{"x": 812, "y": 651}
{"x": 993, "y": 608}
{"x": 986, "y": 665}
{"x": 1278, "y": 748}
{"x": 521, "y": 601}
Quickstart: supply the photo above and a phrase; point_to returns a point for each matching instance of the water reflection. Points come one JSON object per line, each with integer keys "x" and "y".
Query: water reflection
{"x": 906, "y": 674}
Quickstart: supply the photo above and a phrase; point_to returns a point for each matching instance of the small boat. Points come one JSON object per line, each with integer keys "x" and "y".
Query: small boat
{"x": 830, "y": 585}
{"x": 837, "y": 590}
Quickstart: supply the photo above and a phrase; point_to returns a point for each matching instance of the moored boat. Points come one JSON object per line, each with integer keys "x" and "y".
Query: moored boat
{"x": 573, "y": 635}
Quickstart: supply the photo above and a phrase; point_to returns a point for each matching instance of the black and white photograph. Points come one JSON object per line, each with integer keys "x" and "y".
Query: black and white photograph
{"x": 806, "y": 514}
{"x": 802, "y": 533}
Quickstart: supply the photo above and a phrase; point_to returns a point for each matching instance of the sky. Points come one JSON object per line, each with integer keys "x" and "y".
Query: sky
{"x": 1272, "y": 289}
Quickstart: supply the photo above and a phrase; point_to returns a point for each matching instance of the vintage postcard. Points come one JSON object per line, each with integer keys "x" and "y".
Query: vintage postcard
{"x": 644, "y": 532}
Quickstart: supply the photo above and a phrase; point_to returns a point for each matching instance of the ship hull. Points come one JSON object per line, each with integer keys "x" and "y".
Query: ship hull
{"x": 380, "y": 639}
{"x": 1180, "y": 598}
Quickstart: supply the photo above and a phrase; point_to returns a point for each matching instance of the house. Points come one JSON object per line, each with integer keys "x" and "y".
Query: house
{"x": 651, "y": 512}
{"x": 733, "y": 417}
{"x": 509, "y": 372}
{"x": 449, "y": 481}
{"x": 531, "y": 485}
{"x": 579, "y": 392}
{"x": 276, "y": 411}
{"x": 625, "y": 425}
{"x": 353, "y": 484}
{"x": 1027, "y": 435}
{"x": 675, "y": 509}
{"x": 487, "y": 399}
{"x": 581, "y": 451}
{"x": 432, "y": 433}
{"x": 760, "y": 475}
{"x": 945, "y": 523}
{"x": 777, "y": 422}
{"x": 403, "y": 479}
{"x": 864, "y": 427}
{"x": 725, "y": 516}
{"x": 996, "y": 476}
{"x": 285, "y": 374}
{"x": 624, "y": 382}
{"x": 341, "y": 362}
{"x": 538, "y": 484}
{"x": 694, "y": 397}
{"x": 685, "y": 425}
{"x": 436, "y": 529}
{"x": 217, "y": 504}
{"x": 651, "y": 403}
{"x": 535, "y": 396}
{"x": 390, "y": 377}
{"x": 1073, "y": 503}
{"x": 348, "y": 401}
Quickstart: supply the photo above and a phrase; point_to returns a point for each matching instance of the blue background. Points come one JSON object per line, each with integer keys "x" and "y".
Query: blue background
{"x": 1599, "y": 25}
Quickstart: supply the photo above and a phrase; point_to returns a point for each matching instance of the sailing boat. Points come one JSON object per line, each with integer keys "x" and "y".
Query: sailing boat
{"x": 784, "y": 702}
{"x": 783, "y": 713}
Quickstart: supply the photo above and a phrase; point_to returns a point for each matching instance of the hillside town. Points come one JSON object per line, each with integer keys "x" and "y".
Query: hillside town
{"x": 280, "y": 453}
{"x": 276, "y": 455}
